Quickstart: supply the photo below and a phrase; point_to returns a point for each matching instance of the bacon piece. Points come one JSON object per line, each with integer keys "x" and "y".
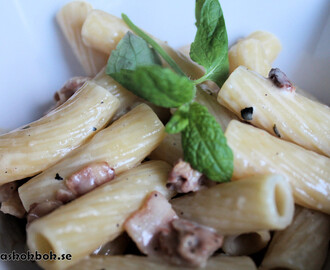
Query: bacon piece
{"x": 144, "y": 225}
{"x": 184, "y": 179}
{"x": 38, "y": 210}
{"x": 13, "y": 206}
{"x": 188, "y": 243}
{"x": 65, "y": 195}
{"x": 7, "y": 190}
{"x": 68, "y": 89}
{"x": 90, "y": 177}
{"x": 280, "y": 79}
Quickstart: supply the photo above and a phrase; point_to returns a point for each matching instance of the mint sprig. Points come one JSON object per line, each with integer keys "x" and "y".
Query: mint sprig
{"x": 158, "y": 85}
{"x": 210, "y": 47}
{"x": 204, "y": 144}
{"x": 179, "y": 120}
{"x": 131, "y": 52}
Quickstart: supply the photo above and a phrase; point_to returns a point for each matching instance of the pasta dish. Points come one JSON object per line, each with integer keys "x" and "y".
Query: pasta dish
{"x": 205, "y": 157}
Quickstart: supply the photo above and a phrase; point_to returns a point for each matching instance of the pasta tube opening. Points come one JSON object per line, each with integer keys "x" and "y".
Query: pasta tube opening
{"x": 279, "y": 197}
{"x": 246, "y": 243}
{"x": 43, "y": 244}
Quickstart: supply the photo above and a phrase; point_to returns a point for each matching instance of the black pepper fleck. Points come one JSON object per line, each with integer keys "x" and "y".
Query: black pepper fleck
{"x": 117, "y": 225}
{"x": 276, "y": 131}
{"x": 58, "y": 177}
{"x": 247, "y": 113}
{"x": 181, "y": 213}
{"x": 102, "y": 102}
{"x": 156, "y": 195}
{"x": 94, "y": 128}
{"x": 6, "y": 172}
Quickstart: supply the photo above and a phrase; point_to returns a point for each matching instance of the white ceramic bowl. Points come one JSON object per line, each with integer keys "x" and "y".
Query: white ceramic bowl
{"x": 36, "y": 60}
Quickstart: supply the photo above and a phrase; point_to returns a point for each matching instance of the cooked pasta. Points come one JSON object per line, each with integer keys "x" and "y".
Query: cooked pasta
{"x": 107, "y": 188}
{"x": 251, "y": 54}
{"x": 127, "y": 99}
{"x": 169, "y": 150}
{"x": 256, "y": 152}
{"x": 123, "y": 145}
{"x": 35, "y": 147}
{"x": 270, "y": 43}
{"x": 81, "y": 226}
{"x": 245, "y": 244}
{"x": 71, "y": 18}
{"x": 262, "y": 202}
{"x": 285, "y": 114}
{"x": 301, "y": 246}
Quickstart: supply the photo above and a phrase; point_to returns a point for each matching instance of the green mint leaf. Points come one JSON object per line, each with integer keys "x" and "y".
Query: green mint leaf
{"x": 158, "y": 85}
{"x": 131, "y": 52}
{"x": 198, "y": 9}
{"x": 179, "y": 120}
{"x": 210, "y": 47}
{"x": 154, "y": 44}
{"x": 205, "y": 146}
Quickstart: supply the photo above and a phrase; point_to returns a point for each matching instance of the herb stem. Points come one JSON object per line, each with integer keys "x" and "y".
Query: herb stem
{"x": 153, "y": 44}
{"x": 201, "y": 79}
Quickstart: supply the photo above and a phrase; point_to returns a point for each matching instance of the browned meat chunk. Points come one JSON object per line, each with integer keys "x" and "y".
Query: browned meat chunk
{"x": 157, "y": 231}
{"x": 7, "y": 190}
{"x": 68, "y": 89}
{"x": 90, "y": 177}
{"x": 38, "y": 210}
{"x": 144, "y": 225}
{"x": 184, "y": 179}
{"x": 280, "y": 79}
{"x": 65, "y": 195}
{"x": 188, "y": 243}
{"x": 13, "y": 206}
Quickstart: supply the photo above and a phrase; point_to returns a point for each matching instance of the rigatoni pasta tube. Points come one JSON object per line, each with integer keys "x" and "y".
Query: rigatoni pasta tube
{"x": 126, "y": 98}
{"x": 70, "y": 19}
{"x": 103, "y": 31}
{"x": 246, "y": 243}
{"x": 262, "y": 202}
{"x": 169, "y": 150}
{"x": 285, "y": 114}
{"x": 27, "y": 151}
{"x": 270, "y": 43}
{"x": 81, "y": 226}
{"x": 251, "y": 54}
{"x": 301, "y": 246}
{"x": 130, "y": 262}
{"x": 123, "y": 145}
{"x": 257, "y": 152}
